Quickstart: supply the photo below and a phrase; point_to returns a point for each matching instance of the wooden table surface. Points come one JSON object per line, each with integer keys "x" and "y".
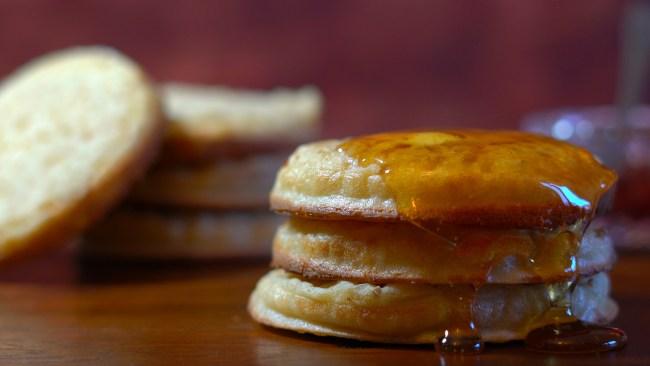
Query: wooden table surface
{"x": 63, "y": 311}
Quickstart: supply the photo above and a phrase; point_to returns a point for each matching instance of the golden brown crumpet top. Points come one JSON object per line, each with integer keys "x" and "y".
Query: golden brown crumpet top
{"x": 464, "y": 177}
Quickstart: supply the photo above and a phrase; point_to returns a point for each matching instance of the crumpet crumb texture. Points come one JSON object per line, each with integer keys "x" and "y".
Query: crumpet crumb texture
{"x": 77, "y": 127}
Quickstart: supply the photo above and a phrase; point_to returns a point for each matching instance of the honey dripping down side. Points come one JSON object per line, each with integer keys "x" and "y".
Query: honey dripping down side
{"x": 566, "y": 333}
{"x": 462, "y": 334}
{"x": 493, "y": 253}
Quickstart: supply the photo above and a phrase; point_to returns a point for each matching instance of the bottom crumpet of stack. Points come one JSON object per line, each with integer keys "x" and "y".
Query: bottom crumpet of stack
{"x": 406, "y": 313}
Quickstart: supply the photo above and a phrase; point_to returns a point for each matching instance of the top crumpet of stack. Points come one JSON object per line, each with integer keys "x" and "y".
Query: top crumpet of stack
{"x": 493, "y": 179}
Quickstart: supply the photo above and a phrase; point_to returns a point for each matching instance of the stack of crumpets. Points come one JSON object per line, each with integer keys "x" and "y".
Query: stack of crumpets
{"x": 208, "y": 195}
{"x": 446, "y": 237}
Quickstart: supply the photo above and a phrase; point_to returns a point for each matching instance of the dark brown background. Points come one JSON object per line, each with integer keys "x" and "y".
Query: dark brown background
{"x": 381, "y": 64}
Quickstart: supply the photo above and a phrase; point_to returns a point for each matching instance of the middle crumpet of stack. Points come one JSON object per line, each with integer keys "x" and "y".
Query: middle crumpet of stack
{"x": 208, "y": 195}
{"x": 416, "y": 236}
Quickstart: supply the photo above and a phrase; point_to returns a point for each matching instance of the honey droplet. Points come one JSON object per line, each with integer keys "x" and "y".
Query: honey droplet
{"x": 462, "y": 335}
{"x": 454, "y": 342}
{"x": 575, "y": 337}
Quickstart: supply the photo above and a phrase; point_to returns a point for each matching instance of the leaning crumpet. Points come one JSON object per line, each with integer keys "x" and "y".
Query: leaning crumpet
{"x": 77, "y": 127}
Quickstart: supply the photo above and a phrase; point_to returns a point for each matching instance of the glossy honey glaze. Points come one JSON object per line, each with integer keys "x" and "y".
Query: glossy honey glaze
{"x": 557, "y": 330}
{"x": 491, "y": 252}
{"x": 576, "y": 337}
{"x": 432, "y": 174}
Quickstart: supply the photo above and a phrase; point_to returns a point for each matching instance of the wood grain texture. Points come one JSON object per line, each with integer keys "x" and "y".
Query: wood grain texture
{"x": 59, "y": 310}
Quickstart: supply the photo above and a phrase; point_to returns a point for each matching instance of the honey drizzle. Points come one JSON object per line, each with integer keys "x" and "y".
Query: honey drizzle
{"x": 413, "y": 162}
{"x": 566, "y": 333}
{"x": 576, "y": 337}
{"x": 405, "y": 158}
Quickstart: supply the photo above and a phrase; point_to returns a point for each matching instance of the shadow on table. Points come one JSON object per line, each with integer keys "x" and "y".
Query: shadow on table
{"x": 341, "y": 342}
{"x": 98, "y": 272}
{"x": 343, "y": 350}
{"x": 65, "y": 267}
